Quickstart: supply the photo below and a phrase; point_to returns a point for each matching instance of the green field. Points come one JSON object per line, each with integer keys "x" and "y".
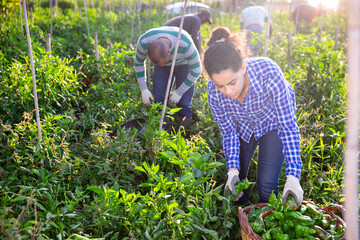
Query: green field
{"x": 77, "y": 183}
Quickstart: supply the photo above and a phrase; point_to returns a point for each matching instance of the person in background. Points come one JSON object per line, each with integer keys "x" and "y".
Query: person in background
{"x": 159, "y": 44}
{"x": 143, "y": 7}
{"x": 191, "y": 24}
{"x": 253, "y": 19}
{"x": 303, "y": 16}
{"x": 253, "y": 105}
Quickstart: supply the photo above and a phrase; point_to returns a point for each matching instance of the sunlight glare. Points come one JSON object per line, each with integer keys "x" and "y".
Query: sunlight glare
{"x": 332, "y": 4}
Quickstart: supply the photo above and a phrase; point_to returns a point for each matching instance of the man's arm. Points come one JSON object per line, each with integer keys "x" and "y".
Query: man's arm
{"x": 139, "y": 63}
{"x": 194, "y": 63}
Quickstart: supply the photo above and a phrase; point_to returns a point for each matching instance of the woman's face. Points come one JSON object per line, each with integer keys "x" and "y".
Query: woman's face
{"x": 230, "y": 83}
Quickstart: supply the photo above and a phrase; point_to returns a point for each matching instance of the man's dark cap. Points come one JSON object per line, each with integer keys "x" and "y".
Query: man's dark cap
{"x": 207, "y": 16}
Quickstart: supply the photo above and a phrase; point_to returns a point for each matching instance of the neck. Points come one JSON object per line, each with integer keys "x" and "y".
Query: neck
{"x": 245, "y": 89}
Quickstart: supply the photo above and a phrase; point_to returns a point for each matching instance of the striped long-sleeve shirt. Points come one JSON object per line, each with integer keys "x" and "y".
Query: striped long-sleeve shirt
{"x": 186, "y": 54}
{"x": 269, "y": 104}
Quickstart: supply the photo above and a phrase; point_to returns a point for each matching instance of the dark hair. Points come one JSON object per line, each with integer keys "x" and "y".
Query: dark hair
{"x": 225, "y": 50}
{"x": 157, "y": 49}
{"x": 217, "y": 34}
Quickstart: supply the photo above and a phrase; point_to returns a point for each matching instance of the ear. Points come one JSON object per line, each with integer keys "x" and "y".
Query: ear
{"x": 169, "y": 52}
{"x": 243, "y": 68}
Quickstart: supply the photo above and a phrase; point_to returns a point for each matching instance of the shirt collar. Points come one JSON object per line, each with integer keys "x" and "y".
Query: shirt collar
{"x": 254, "y": 83}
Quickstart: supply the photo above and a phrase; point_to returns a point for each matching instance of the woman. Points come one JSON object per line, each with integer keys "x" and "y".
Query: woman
{"x": 254, "y": 106}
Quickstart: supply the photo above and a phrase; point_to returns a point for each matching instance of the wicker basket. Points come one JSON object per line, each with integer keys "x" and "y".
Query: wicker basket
{"x": 246, "y": 231}
{"x": 248, "y": 234}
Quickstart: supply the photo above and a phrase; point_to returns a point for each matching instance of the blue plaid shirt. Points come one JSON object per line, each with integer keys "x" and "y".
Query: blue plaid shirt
{"x": 268, "y": 105}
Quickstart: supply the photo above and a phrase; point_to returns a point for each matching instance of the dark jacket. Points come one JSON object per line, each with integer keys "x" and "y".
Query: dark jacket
{"x": 191, "y": 24}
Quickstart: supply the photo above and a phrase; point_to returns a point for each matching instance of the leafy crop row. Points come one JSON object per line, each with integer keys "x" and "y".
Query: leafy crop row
{"x": 78, "y": 183}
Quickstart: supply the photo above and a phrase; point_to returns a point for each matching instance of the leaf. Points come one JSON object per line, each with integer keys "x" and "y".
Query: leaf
{"x": 173, "y": 145}
{"x": 197, "y": 172}
{"x": 212, "y": 233}
{"x": 147, "y": 235}
{"x": 28, "y": 171}
{"x": 205, "y": 156}
{"x": 95, "y": 189}
{"x": 178, "y": 162}
{"x": 155, "y": 168}
{"x": 215, "y": 164}
{"x": 168, "y": 154}
{"x": 147, "y": 185}
{"x": 172, "y": 205}
{"x": 57, "y": 117}
{"x": 70, "y": 215}
{"x": 138, "y": 207}
{"x": 54, "y": 224}
{"x": 186, "y": 177}
{"x": 141, "y": 169}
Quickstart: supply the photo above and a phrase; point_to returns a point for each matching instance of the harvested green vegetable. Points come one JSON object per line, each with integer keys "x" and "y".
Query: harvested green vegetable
{"x": 240, "y": 186}
{"x": 279, "y": 220}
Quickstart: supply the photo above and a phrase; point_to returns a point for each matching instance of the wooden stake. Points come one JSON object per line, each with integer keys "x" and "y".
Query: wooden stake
{"x": 21, "y": 21}
{"x": 96, "y": 51}
{"x": 51, "y": 16}
{"x": 290, "y": 12}
{"x": 148, "y": 66}
{"x": 132, "y": 23}
{"x": 289, "y": 48}
{"x": 32, "y": 15}
{"x": 126, "y": 15}
{"x": 15, "y": 18}
{"x": 237, "y": 12}
{"x": 321, "y": 23}
{"x": 267, "y": 36}
{"x": 139, "y": 20}
{"x": 120, "y": 9}
{"x": 110, "y": 12}
{"x": 48, "y": 43}
{"x": 336, "y": 38}
{"x": 351, "y": 181}
{"x": 32, "y": 71}
{"x": 166, "y": 12}
{"x": 297, "y": 20}
{"x": 86, "y": 19}
{"x": 150, "y": 8}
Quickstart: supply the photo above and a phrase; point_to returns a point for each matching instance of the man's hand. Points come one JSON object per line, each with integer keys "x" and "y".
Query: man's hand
{"x": 174, "y": 97}
{"x": 292, "y": 186}
{"x": 146, "y": 96}
{"x": 233, "y": 178}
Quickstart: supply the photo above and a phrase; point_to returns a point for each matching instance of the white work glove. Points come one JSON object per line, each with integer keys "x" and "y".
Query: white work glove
{"x": 233, "y": 178}
{"x": 174, "y": 97}
{"x": 292, "y": 186}
{"x": 146, "y": 96}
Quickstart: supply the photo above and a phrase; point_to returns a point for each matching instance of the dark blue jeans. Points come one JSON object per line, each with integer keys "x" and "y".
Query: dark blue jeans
{"x": 160, "y": 81}
{"x": 269, "y": 165}
{"x": 253, "y": 42}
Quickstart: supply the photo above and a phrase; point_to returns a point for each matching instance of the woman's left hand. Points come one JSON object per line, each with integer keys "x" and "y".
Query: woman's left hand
{"x": 292, "y": 186}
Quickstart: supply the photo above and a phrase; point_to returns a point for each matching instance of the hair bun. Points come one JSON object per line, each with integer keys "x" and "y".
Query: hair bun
{"x": 219, "y": 34}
